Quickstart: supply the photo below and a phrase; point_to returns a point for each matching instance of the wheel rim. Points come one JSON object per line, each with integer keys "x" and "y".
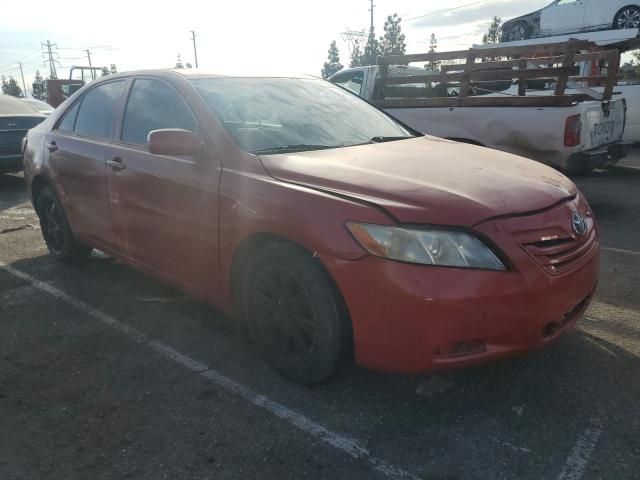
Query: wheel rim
{"x": 518, "y": 33}
{"x": 52, "y": 227}
{"x": 629, "y": 18}
{"x": 283, "y": 314}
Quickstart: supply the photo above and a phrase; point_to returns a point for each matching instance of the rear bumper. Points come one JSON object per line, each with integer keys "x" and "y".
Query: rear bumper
{"x": 10, "y": 163}
{"x": 600, "y": 157}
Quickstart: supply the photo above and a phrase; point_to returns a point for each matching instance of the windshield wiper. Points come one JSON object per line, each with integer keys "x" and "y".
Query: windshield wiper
{"x": 303, "y": 147}
{"x": 387, "y": 139}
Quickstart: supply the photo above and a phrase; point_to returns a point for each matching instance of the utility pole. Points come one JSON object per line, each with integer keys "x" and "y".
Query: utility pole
{"x": 195, "y": 52}
{"x": 371, "y": 10}
{"x": 93, "y": 74}
{"x": 23, "y": 82}
{"x": 50, "y": 61}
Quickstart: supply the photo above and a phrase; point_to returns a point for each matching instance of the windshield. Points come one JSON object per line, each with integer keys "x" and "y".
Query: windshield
{"x": 276, "y": 115}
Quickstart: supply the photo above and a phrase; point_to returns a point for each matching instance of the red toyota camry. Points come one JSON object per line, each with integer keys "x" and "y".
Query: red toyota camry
{"x": 330, "y": 228}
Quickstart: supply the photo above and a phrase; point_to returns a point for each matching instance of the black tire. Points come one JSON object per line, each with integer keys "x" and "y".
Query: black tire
{"x": 295, "y": 315}
{"x": 56, "y": 232}
{"x": 517, "y": 31}
{"x": 577, "y": 169}
{"x": 627, "y": 17}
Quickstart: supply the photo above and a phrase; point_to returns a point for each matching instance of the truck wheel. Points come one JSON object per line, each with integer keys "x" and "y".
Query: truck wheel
{"x": 294, "y": 314}
{"x": 57, "y": 234}
{"x": 518, "y": 31}
{"x": 577, "y": 169}
{"x": 628, "y": 17}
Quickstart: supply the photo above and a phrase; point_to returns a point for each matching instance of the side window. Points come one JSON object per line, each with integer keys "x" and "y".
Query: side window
{"x": 350, "y": 80}
{"x": 69, "y": 119}
{"x": 98, "y": 108}
{"x": 152, "y": 105}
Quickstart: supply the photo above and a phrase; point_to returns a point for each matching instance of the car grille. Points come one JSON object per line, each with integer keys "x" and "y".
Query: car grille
{"x": 11, "y": 141}
{"x": 558, "y": 255}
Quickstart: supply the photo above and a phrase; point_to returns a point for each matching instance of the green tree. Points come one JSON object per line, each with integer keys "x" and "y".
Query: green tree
{"x": 495, "y": 31}
{"x": 393, "y": 41}
{"x": 357, "y": 55}
{"x": 371, "y": 49}
{"x": 11, "y": 87}
{"x": 433, "y": 46}
{"x": 333, "y": 64}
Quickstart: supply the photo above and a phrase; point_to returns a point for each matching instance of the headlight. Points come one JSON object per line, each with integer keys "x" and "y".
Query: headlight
{"x": 448, "y": 248}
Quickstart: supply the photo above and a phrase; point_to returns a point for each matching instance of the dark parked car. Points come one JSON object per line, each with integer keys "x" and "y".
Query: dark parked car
{"x": 16, "y": 118}
{"x": 328, "y": 226}
{"x": 39, "y": 105}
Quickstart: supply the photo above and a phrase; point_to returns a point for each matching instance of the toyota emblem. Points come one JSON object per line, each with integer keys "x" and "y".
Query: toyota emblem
{"x": 579, "y": 223}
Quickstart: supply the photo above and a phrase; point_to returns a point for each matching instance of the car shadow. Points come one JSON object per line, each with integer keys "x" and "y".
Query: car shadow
{"x": 517, "y": 418}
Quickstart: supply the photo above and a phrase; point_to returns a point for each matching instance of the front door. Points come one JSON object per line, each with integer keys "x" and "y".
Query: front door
{"x": 565, "y": 16}
{"x": 77, "y": 149}
{"x": 165, "y": 209}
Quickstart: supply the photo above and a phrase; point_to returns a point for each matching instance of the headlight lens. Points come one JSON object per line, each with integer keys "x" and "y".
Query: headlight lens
{"x": 448, "y": 248}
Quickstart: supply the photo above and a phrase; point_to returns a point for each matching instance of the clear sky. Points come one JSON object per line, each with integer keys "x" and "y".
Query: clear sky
{"x": 232, "y": 35}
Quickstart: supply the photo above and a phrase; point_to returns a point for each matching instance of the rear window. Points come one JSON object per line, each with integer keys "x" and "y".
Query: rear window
{"x": 12, "y": 106}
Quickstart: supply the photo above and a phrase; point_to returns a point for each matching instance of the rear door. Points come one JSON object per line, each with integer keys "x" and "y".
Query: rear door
{"x": 564, "y": 16}
{"x": 77, "y": 149}
{"x": 165, "y": 208}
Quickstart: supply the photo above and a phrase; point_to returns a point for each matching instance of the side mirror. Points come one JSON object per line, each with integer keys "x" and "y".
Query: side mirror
{"x": 174, "y": 142}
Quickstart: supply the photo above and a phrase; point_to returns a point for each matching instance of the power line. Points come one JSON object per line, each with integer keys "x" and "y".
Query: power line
{"x": 438, "y": 12}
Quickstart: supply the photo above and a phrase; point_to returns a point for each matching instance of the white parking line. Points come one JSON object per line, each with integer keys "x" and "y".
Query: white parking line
{"x": 351, "y": 447}
{"x": 578, "y": 459}
{"x": 621, "y": 250}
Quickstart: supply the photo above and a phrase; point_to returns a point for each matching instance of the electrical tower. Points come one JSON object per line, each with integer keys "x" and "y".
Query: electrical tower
{"x": 49, "y": 58}
{"x": 351, "y": 37}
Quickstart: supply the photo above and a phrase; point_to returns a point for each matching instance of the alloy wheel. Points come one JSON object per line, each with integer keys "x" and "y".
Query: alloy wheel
{"x": 629, "y": 18}
{"x": 517, "y": 33}
{"x": 284, "y": 314}
{"x": 53, "y": 228}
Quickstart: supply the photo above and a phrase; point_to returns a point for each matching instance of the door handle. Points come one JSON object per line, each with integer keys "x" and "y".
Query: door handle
{"x": 52, "y": 147}
{"x": 116, "y": 164}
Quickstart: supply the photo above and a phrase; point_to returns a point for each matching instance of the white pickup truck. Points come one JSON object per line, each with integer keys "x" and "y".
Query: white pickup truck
{"x": 569, "y": 132}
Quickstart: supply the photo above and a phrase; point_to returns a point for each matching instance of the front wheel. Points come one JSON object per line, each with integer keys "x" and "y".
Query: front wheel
{"x": 295, "y": 314}
{"x": 56, "y": 232}
{"x": 628, "y": 17}
{"x": 518, "y": 31}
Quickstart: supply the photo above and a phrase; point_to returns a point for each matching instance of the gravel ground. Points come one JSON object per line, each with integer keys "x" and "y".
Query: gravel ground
{"x": 80, "y": 399}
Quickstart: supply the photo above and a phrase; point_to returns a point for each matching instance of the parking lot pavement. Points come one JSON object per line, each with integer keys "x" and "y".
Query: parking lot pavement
{"x": 105, "y": 373}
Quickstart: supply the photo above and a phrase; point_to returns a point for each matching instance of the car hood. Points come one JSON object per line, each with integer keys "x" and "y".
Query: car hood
{"x": 427, "y": 179}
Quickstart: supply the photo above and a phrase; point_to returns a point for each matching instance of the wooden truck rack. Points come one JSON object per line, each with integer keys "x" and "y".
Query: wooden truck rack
{"x": 468, "y": 68}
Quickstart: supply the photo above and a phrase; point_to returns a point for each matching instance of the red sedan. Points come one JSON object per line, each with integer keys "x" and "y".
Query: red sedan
{"x": 326, "y": 225}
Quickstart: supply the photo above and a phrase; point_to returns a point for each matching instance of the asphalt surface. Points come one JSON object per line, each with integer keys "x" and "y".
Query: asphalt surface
{"x": 92, "y": 386}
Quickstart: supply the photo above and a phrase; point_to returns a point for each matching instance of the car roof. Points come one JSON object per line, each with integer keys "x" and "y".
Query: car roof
{"x": 198, "y": 73}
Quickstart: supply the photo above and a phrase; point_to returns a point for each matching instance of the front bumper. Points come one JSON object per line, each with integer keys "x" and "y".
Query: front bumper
{"x": 413, "y": 318}
{"x": 600, "y": 157}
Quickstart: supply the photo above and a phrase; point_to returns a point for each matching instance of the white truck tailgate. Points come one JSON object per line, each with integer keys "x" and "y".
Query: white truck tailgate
{"x": 602, "y": 124}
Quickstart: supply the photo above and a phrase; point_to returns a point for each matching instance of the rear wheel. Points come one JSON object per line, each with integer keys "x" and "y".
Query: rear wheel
{"x": 628, "y": 17}
{"x": 518, "y": 31}
{"x": 57, "y": 234}
{"x": 295, "y": 315}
